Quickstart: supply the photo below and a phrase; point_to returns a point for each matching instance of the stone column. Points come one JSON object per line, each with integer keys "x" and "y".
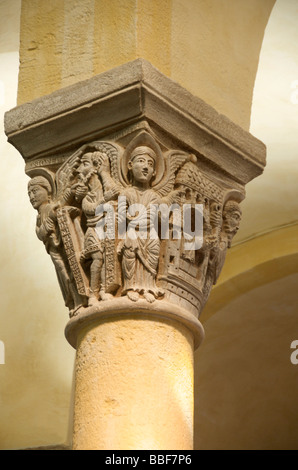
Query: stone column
{"x": 134, "y": 384}
{"x": 93, "y": 151}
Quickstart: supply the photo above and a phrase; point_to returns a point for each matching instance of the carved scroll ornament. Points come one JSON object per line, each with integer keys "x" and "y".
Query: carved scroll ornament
{"x": 97, "y": 214}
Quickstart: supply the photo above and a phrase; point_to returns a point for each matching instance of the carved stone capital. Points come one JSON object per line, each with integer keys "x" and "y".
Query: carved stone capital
{"x": 105, "y": 156}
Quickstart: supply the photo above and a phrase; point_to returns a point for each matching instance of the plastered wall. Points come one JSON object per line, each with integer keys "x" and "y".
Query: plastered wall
{"x": 36, "y": 379}
{"x": 210, "y": 47}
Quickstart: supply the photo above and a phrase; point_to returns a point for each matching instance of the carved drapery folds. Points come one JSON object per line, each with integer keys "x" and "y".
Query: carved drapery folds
{"x": 118, "y": 164}
{"x": 100, "y": 219}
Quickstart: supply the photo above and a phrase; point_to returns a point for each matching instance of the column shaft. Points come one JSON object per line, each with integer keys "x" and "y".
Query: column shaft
{"x": 134, "y": 385}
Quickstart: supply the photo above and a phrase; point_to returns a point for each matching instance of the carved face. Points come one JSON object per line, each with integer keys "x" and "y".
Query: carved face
{"x": 86, "y": 169}
{"x": 143, "y": 168}
{"x": 232, "y": 218}
{"x": 38, "y": 195}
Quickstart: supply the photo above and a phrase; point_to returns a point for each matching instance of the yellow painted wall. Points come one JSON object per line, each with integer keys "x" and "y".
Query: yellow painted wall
{"x": 246, "y": 385}
{"x": 208, "y": 46}
{"x": 36, "y": 379}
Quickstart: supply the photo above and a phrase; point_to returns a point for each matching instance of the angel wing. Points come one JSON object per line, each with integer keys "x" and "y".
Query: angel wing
{"x": 65, "y": 173}
{"x": 174, "y": 159}
{"x": 113, "y": 152}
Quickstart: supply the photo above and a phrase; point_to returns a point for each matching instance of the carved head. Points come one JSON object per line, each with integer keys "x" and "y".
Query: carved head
{"x": 142, "y": 165}
{"x": 231, "y": 219}
{"x": 39, "y": 191}
{"x": 89, "y": 165}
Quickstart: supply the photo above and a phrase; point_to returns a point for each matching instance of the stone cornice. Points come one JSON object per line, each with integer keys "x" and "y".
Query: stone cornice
{"x": 134, "y": 94}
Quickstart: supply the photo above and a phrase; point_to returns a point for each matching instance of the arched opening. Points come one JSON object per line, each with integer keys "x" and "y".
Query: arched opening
{"x": 247, "y": 386}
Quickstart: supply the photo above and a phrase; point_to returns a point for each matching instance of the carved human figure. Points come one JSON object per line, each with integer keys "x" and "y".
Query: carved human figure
{"x": 140, "y": 253}
{"x": 89, "y": 191}
{"x": 231, "y": 217}
{"x": 40, "y": 195}
{"x": 231, "y": 220}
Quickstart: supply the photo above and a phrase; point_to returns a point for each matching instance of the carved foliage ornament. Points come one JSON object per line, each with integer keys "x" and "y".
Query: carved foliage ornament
{"x": 101, "y": 222}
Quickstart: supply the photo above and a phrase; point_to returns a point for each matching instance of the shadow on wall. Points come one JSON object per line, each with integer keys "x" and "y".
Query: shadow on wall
{"x": 246, "y": 385}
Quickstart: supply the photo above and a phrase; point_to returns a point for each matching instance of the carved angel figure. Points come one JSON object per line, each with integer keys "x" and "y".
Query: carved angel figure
{"x": 149, "y": 185}
{"x": 140, "y": 255}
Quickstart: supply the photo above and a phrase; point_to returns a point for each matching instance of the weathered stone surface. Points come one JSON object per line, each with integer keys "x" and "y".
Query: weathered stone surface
{"x": 128, "y": 137}
{"x": 131, "y": 96}
{"x": 114, "y": 221}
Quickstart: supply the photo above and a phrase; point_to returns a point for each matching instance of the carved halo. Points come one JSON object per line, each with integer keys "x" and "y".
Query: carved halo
{"x": 143, "y": 139}
{"x": 47, "y": 174}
